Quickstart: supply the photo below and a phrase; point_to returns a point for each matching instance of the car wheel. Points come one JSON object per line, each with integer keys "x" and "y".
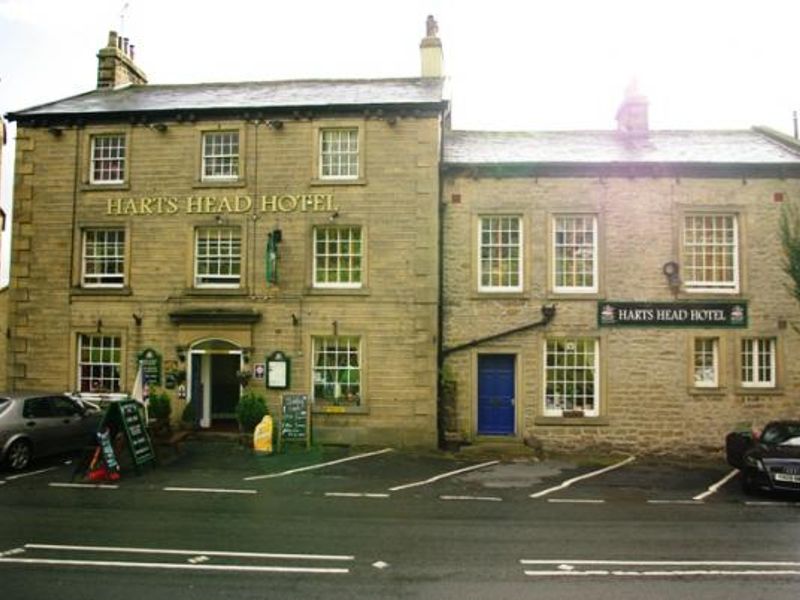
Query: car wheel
{"x": 19, "y": 455}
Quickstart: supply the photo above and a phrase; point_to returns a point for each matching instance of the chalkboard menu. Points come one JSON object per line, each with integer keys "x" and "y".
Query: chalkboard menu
{"x": 295, "y": 418}
{"x": 135, "y": 432}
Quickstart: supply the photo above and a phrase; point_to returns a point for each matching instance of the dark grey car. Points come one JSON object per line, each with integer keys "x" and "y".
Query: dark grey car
{"x": 34, "y": 424}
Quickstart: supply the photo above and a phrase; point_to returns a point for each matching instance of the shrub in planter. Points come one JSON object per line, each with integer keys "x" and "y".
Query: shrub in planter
{"x": 160, "y": 409}
{"x": 188, "y": 417}
{"x": 250, "y": 410}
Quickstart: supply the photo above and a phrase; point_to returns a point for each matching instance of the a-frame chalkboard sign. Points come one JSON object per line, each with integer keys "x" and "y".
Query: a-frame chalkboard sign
{"x": 124, "y": 415}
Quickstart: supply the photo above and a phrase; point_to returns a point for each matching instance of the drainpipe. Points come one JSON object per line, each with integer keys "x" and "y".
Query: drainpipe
{"x": 440, "y": 302}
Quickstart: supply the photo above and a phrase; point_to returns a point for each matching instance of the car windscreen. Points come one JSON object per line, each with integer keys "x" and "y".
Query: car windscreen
{"x": 4, "y": 404}
{"x": 782, "y": 434}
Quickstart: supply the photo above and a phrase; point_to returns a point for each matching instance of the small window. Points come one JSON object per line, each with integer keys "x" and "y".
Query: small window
{"x": 711, "y": 253}
{"x": 337, "y": 371}
{"x": 706, "y": 362}
{"x": 500, "y": 254}
{"x": 108, "y": 159}
{"x": 99, "y": 363}
{"x": 572, "y": 377}
{"x": 220, "y": 155}
{"x": 758, "y": 367}
{"x": 575, "y": 254}
{"x": 218, "y": 257}
{"x": 338, "y": 154}
{"x": 338, "y": 257}
{"x": 103, "y": 258}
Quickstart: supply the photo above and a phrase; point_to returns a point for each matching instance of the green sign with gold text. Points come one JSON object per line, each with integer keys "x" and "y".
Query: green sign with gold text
{"x": 671, "y": 314}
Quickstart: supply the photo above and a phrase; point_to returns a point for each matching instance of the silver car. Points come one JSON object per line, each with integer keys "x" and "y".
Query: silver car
{"x": 34, "y": 424}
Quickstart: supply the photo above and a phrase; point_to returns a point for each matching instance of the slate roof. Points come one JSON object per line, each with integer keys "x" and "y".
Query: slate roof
{"x": 244, "y": 95}
{"x": 474, "y": 148}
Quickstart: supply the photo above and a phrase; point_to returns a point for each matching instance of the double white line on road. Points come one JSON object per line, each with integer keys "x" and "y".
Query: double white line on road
{"x": 191, "y": 564}
{"x": 660, "y": 568}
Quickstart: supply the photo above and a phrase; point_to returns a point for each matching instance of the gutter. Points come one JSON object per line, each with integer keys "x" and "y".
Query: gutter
{"x": 548, "y": 313}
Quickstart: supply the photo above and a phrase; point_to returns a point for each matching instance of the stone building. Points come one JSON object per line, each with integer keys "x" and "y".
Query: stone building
{"x": 277, "y": 236}
{"x": 335, "y": 238}
{"x": 617, "y": 288}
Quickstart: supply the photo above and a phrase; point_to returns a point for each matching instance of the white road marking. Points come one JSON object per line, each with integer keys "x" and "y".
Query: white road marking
{"x": 175, "y": 566}
{"x": 443, "y": 476}
{"x": 3, "y": 482}
{"x": 691, "y": 502}
{"x": 693, "y": 573}
{"x": 569, "y": 482}
{"x": 664, "y": 563}
{"x": 12, "y": 552}
{"x": 380, "y": 564}
{"x": 209, "y": 490}
{"x": 96, "y": 486}
{"x": 169, "y": 551}
{"x": 475, "y": 498}
{"x": 354, "y": 495}
{"x": 770, "y": 503}
{"x": 319, "y": 466}
{"x": 31, "y": 473}
{"x": 713, "y": 489}
{"x": 574, "y": 501}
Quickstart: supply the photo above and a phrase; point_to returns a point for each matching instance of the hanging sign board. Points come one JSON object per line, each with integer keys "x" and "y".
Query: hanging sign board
{"x": 278, "y": 371}
{"x": 672, "y": 314}
{"x": 295, "y": 418}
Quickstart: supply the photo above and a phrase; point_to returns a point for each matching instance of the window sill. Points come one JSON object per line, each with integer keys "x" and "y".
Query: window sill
{"x": 339, "y": 410}
{"x": 567, "y": 421}
{"x": 337, "y": 182}
{"x": 101, "y": 291}
{"x": 478, "y": 295}
{"x": 707, "y": 391}
{"x": 759, "y": 391}
{"x": 211, "y": 292}
{"x": 105, "y": 187}
{"x": 314, "y": 291}
{"x": 232, "y": 183}
{"x": 592, "y": 296}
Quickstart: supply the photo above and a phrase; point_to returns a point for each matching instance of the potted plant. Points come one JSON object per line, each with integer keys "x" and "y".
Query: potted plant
{"x": 160, "y": 409}
{"x": 249, "y": 411}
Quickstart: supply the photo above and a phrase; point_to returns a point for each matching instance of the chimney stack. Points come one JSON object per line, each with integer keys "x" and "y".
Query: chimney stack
{"x": 115, "y": 66}
{"x": 431, "y": 50}
{"x": 632, "y": 116}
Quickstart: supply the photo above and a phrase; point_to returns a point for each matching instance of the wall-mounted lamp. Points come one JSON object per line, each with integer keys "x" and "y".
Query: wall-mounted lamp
{"x": 181, "y": 352}
{"x": 275, "y": 124}
{"x": 672, "y": 272}
{"x": 334, "y": 216}
{"x": 55, "y": 131}
{"x": 391, "y": 120}
{"x": 295, "y": 320}
{"x": 160, "y": 127}
{"x": 137, "y": 319}
{"x": 99, "y": 325}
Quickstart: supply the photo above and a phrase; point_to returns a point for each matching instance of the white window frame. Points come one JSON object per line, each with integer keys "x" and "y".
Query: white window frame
{"x": 500, "y": 252}
{"x": 556, "y": 407}
{"x": 700, "y": 251}
{"x": 116, "y": 256}
{"x": 762, "y": 354}
{"x": 108, "y": 158}
{"x": 560, "y": 247}
{"x": 218, "y": 147}
{"x": 339, "y": 158}
{"x": 337, "y": 371}
{"x": 225, "y": 236}
{"x": 341, "y": 259}
{"x": 705, "y": 359}
{"x": 101, "y": 355}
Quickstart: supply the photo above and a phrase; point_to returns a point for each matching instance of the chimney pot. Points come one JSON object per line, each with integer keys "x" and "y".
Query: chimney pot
{"x": 115, "y": 66}
{"x": 632, "y": 115}
{"x": 430, "y": 48}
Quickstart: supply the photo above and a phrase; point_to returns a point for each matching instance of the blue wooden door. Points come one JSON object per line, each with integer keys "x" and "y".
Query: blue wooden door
{"x": 496, "y": 394}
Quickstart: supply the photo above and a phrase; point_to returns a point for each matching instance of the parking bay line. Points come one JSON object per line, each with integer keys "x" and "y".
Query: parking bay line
{"x": 319, "y": 466}
{"x": 209, "y": 490}
{"x": 354, "y": 495}
{"x": 714, "y": 488}
{"x": 436, "y": 478}
{"x": 472, "y": 498}
{"x": 31, "y": 473}
{"x": 90, "y": 486}
{"x": 569, "y": 482}
{"x": 567, "y": 568}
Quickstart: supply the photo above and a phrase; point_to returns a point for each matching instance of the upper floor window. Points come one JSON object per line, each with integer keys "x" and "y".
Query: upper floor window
{"x": 218, "y": 257}
{"x": 103, "y": 262}
{"x": 575, "y": 253}
{"x": 706, "y": 362}
{"x": 338, "y": 154}
{"x": 108, "y": 159}
{"x": 99, "y": 361}
{"x": 338, "y": 257}
{"x": 758, "y": 367}
{"x": 711, "y": 253}
{"x": 572, "y": 377}
{"x": 220, "y": 155}
{"x": 500, "y": 254}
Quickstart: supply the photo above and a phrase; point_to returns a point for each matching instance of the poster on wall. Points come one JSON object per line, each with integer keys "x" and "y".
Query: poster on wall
{"x": 278, "y": 371}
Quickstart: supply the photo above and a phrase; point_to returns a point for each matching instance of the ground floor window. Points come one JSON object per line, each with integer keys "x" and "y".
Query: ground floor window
{"x": 758, "y": 362}
{"x": 337, "y": 371}
{"x": 99, "y": 360}
{"x": 571, "y": 377}
{"x": 706, "y": 362}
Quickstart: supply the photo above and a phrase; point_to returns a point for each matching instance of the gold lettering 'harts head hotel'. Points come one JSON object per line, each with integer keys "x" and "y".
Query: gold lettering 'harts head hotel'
{"x": 215, "y": 226}
{"x": 617, "y": 289}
